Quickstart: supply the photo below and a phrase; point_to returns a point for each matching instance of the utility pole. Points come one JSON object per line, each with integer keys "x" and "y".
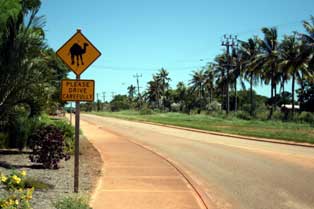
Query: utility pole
{"x": 236, "y": 50}
{"x": 104, "y": 96}
{"x": 137, "y": 76}
{"x": 228, "y": 41}
{"x": 112, "y": 94}
{"x": 97, "y": 103}
{"x": 138, "y": 84}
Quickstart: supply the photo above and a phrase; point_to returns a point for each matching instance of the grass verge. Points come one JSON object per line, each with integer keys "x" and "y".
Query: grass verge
{"x": 290, "y": 131}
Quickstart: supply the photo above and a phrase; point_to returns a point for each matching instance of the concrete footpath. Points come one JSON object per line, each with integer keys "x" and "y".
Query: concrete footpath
{"x": 135, "y": 178}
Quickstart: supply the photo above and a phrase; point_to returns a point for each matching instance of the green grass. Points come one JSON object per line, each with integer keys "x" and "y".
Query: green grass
{"x": 291, "y": 131}
{"x": 37, "y": 184}
{"x": 72, "y": 202}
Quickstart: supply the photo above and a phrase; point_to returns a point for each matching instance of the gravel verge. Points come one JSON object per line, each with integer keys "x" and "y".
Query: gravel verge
{"x": 61, "y": 179}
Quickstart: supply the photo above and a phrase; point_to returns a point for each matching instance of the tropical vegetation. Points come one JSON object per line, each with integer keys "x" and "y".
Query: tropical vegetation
{"x": 266, "y": 60}
{"x": 30, "y": 72}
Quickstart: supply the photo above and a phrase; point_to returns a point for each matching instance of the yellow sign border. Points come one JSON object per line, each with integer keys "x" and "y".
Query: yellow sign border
{"x": 93, "y": 98}
{"x": 69, "y": 66}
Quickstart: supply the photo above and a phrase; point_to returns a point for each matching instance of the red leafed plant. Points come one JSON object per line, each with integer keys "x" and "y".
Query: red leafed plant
{"x": 48, "y": 145}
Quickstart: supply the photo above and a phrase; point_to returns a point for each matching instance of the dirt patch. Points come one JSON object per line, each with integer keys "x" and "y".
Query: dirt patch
{"x": 61, "y": 179}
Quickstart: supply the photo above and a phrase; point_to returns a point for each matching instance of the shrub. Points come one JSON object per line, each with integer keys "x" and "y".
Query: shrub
{"x": 213, "y": 106}
{"x": 156, "y": 110}
{"x": 146, "y": 111}
{"x": 243, "y": 115}
{"x": 195, "y": 111}
{"x": 4, "y": 140}
{"x": 306, "y": 117}
{"x": 175, "y": 107}
{"x": 278, "y": 115}
{"x": 66, "y": 129}
{"x": 216, "y": 114}
{"x": 72, "y": 203}
{"x": 119, "y": 102}
{"x": 68, "y": 133}
{"x": 262, "y": 115}
{"x": 47, "y": 144}
{"x": 14, "y": 181}
{"x": 17, "y": 196}
{"x": 18, "y": 130}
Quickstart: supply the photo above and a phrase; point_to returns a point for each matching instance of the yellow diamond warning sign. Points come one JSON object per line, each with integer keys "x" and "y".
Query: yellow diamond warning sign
{"x": 78, "y": 53}
{"x": 77, "y": 90}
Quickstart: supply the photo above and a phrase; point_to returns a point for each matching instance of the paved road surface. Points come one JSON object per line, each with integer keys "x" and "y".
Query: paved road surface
{"x": 133, "y": 177}
{"x": 235, "y": 173}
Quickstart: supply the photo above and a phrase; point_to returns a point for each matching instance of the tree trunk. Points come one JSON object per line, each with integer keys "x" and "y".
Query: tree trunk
{"x": 251, "y": 94}
{"x": 235, "y": 96}
{"x": 271, "y": 99}
{"x": 301, "y": 101}
{"x": 275, "y": 89}
{"x": 228, "y": 99}
{"x": 292, "y": 89}
{"x": 211, "y": 95}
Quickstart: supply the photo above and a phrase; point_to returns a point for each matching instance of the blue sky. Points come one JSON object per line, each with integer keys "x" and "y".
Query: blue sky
{"x": 141, "y": 36}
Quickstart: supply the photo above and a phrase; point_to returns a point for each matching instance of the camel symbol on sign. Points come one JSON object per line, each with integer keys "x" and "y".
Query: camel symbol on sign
{"x": 77, "y": 52}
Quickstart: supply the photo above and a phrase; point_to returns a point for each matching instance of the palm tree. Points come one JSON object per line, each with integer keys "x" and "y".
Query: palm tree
{"x": 293, "y": 55}
{"x": 309, "y": 37}
{"x": 236, "y": 72}
{"x": 220, "y": 73}
{"x": 181, "y": 91}
{"x": 164, "y": 79}
{"x": 267, "y": 60}
{"x": 209, "y": 75}
{"x": 308, "y": 40}
{"x": 249, "y": 51}
{"x": 154, "y": 91}
{"x": 163, "y": 76}
{"x": 131, "y": 91}
{"x": 23, "y": 59}
{"x": 197, "y": 83}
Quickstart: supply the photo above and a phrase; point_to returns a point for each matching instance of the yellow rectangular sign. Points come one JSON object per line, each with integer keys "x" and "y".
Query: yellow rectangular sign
{"x": 77, "y": 90}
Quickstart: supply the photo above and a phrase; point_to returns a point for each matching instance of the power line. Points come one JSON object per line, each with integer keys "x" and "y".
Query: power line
{"x": 153, "y": 69}
{"x": 250, "y": 31}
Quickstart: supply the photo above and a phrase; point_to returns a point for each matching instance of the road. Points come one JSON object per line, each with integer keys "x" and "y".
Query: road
{"x": 235, "y": 173}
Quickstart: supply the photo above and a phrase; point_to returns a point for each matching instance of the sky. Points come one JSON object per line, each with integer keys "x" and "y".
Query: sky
{"x": 142, "y": 36}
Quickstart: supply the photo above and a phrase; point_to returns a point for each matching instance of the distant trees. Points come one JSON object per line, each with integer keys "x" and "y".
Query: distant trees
{"x": 156, "y": 94}
{"x": 120, "y": 102}
{"x": 267, "y": 60}
{"x": 131, "y": 92}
